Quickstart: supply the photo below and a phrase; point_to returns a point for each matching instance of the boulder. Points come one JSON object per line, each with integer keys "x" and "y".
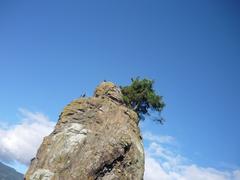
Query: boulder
{"x": 95, "y": 138}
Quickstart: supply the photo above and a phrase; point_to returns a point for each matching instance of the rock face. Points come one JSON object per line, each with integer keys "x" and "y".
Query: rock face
{"x": 95, "y": 138}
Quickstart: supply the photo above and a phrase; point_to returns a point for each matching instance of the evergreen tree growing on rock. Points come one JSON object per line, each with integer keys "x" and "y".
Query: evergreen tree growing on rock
{"x": 141, "y": 97}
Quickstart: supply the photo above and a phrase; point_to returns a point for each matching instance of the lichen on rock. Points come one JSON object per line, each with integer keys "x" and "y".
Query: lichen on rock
{"x": 95, "y": 138}
{"x": 43, "y": 174}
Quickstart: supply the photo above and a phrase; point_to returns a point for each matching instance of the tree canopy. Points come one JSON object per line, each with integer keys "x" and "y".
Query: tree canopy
{"x": 141, "y": 97}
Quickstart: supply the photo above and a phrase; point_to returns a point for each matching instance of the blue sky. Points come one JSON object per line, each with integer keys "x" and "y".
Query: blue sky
{"x": 52, "y": 52}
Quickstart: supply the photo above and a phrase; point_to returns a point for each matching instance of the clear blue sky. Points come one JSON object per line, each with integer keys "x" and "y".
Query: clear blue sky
{"x": 53, "y": 51}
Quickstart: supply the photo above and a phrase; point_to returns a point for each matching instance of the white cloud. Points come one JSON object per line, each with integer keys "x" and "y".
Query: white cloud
{"x": 20, "y": 142}
{"x": 160, "y": 139}
{"x": 236, "y": 174}
{"x": 161, "y": 162}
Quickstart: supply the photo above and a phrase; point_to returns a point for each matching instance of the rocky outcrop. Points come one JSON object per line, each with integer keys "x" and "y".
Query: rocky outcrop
{"x": 95, "y": 138}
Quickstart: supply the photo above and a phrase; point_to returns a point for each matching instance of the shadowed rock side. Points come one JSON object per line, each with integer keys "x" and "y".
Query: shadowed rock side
{"x": 95, "y": 138}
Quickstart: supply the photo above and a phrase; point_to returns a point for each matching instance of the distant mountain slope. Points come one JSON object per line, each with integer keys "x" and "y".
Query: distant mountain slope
{"x": 8, "y": 173}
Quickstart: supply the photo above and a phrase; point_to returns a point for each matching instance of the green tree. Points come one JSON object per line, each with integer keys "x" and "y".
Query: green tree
{"x": 141, "y": 97}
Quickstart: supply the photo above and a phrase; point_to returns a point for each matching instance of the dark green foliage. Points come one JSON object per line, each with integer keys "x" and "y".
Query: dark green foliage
{"x": 141, "y": 97}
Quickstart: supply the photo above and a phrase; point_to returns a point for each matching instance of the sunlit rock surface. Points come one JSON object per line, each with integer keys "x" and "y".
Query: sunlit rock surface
{"x": 95, "y": 138}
